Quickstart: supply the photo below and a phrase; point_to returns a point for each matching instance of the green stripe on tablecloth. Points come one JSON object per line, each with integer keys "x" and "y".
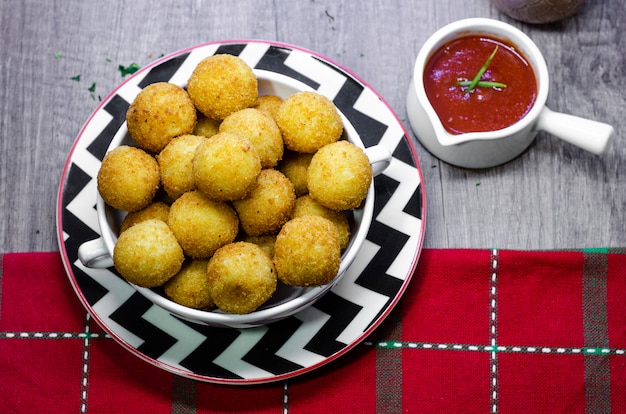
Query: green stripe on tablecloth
{"x": 595, "y": 329}
{"x": 184, "y": 395}
{"x": 521, "y": 349}
{"x": 389, "y": 369}
{"x": 494, "y": 381}
{"x": 605, "y": 250}
{"x": 600, "y": 250}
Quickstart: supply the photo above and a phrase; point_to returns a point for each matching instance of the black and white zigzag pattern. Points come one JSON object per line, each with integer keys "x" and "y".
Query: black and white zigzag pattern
{"x": 296, "y": 345}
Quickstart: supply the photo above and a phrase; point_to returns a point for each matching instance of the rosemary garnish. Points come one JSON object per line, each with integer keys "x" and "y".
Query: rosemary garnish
{"x": 477, "y": 82}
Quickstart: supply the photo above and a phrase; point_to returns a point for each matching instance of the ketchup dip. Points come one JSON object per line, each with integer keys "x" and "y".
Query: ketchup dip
{"x": 484, "y": 108}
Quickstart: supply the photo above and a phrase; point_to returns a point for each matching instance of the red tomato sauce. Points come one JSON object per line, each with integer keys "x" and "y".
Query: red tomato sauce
{"x": 484, "y": 108}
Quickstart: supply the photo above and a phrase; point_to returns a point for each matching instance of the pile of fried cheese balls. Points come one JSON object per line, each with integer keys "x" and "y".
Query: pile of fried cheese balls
{"x": 229, "y": 193}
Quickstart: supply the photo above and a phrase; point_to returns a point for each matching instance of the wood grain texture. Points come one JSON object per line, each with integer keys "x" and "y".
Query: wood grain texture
{"x": 553, "y": 196}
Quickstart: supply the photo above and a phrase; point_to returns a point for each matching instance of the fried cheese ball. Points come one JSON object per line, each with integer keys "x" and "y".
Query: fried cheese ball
{"x": 160, "y": 112}
{"x": 339, "y": 176}
{"x": 269, "y": 104}
{"x": 306, "y": 205}
{"x": 176, "y": 164}
{"x": 190, "y": 286}
{"x": 268, "y": 205}
{"x": 265, "y": 242}
{"x": 242, "y": 277}
{"x": 202, "y": 225}
{"x": 295, "y": 166}
{"x": 156, "y": 210}
{"x": 206, "y": 127}
{"x": 308, "y": 121}
{"x": 260, "y": 129}
{"x": 148, "y": 254}
{"x": 222, "y": 84}
{"x": 128, "y": 178}
{"x": 225, "y": 167}
{"x": 307, "y": 251}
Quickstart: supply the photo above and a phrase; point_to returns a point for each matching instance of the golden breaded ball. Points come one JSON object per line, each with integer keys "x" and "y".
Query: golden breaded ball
{"x": 160, "y": 112}
{"x": 265, "y": 242}
{"x": 306, "y": 206}
{"x": 307, "y": 251}
{"x": 156, "y": 210}
{"x": 190, "y": 286}
{"x": 225, "y": 167}
{"x": 269, "y": 104}
{"x": 206, "y": 127}
{"x": 295, "y": 166}
{"x": 176, "y": 164}
{"x": 340, "y": 175}
{"x": 268, "y": 205}
{"x": 148, "y": 254}
{"x": 222, "y": 84}
{"x": 241, "y": 277}
{"x": 308, "y": 121}
{"x": 260, "y": 129}
{"x": 128, "y": 178}
{"x": 202, "y": 225}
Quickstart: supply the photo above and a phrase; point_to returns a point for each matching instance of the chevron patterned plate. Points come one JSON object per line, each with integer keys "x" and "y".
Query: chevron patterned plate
{"x": 301, "y": 343}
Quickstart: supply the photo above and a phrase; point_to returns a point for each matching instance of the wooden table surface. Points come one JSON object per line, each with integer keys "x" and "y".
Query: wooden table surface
{"x": 553, "y": 196}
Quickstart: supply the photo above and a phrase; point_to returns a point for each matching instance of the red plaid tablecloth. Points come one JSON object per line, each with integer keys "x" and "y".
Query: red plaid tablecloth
{"x": 477, "y": 331}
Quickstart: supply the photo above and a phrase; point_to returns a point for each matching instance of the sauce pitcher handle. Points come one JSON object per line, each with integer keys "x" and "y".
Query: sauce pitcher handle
{"x": 589, "y": 135}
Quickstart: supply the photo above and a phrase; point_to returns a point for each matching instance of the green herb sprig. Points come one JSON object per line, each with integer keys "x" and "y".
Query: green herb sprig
{"x": 483, "y": 84}
{"x": 476, "y": 82}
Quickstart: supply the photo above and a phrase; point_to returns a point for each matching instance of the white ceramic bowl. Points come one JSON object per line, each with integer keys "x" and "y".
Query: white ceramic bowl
{"x": 288, "y": 299}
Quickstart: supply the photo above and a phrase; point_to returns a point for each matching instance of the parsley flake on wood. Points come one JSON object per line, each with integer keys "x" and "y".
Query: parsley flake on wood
{"x": 76, "y": 78}
{"x": 128, "y": 70}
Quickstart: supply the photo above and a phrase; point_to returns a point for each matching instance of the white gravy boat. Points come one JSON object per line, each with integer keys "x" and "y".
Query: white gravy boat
{"x": 488, "y": 149}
